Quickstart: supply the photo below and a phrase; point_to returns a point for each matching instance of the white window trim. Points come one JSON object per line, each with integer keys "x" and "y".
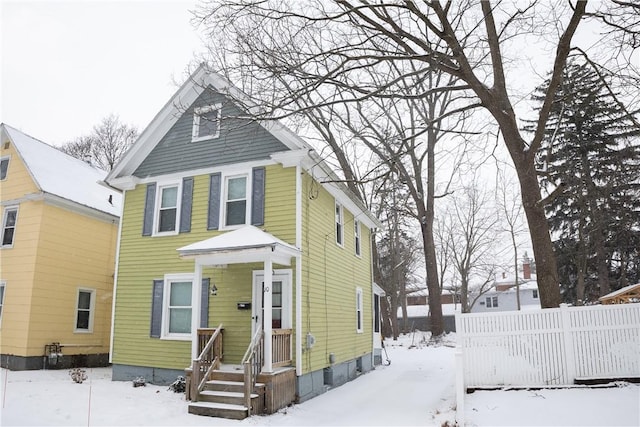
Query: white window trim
{"x": 491, "y": 302}
{"x": 92, "y": 309}
{"x": 8, "y": 159}
{"x": 359, "y": 311}
{"x": 4, "y": 223}
{"x": 166, "y": 294}
{"x": 3, "y": 284}
{"x": 197, "y": 112}
{"x": 158, "y": 202}
{"x": 357, "y": 239}
{"x": 339, "y": 220}
{"x": 223, "y": 199}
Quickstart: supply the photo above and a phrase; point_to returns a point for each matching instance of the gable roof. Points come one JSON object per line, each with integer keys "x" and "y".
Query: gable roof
{"x": 62, "y": 175}
{"x": 121, "y": 176}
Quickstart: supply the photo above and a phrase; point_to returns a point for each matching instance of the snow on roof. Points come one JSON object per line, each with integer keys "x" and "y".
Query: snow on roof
{"x": 619, "y": 291}
{"x": 62, "y": 175}
{"x": 247, "y": 237}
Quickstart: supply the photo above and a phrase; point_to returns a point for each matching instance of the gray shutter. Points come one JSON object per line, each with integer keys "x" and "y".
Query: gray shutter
{"x": 185, "y": 205}
{"x": 213, "y": 219}
{"x": 156, "y": 308}
{"x": 204, "y": 308}
{"x": 257, "y": 196}
{"x": 149, "y": 206}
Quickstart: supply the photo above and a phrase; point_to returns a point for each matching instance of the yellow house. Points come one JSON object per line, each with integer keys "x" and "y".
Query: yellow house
{"x": 57, "y": 257}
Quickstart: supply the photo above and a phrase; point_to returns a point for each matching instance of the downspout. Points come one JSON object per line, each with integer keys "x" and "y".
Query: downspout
{"x": 115, "y": 279}
{"x": 299, "y": 271}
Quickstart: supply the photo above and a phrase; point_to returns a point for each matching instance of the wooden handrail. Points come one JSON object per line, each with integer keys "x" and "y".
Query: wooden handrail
{"x": 199, "y": 378}
{"x": 252, "y": 363}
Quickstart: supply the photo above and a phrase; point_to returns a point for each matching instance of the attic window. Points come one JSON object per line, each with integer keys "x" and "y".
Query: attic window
{"x": 206, "y": 122}
{"x": 4, "y": 166}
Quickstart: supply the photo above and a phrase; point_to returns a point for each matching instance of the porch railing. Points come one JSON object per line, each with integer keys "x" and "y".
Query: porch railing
{"x": 210, "y": 341}
{"x": 281, "y": 347}
{"x": 252, "y": 363}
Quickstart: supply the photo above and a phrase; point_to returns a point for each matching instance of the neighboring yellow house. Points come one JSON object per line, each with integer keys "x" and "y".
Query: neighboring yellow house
{"x": 57, "y": 257}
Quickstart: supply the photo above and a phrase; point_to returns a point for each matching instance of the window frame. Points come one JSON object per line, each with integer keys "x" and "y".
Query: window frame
{"x": 166, "y": 296}
{"x": 491, "y": 302}
{"x": 5, "y": 215}
{"x": 160, "y": 186}
{"x": 6, "y": 172}
{"x": 535, "y": 294}
{"x": 359, "y": 311}
{"x": 198, "y": 112}
{"x": 339, "y": 223}
{"x": 357, "y": 231}
{"x": 91, "y": 310}
{"x": 3, "y": 291}
{"x": 225, "y": 200}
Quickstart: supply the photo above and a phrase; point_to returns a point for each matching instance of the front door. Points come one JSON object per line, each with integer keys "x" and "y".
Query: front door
{"x": 280, "y": 302}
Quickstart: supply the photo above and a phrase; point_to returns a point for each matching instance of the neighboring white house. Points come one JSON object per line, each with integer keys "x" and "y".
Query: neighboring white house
{"x": 503, "y": 295}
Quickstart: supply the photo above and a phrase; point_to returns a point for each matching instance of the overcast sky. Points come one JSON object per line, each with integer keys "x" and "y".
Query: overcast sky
{"x": 68, "y": 64}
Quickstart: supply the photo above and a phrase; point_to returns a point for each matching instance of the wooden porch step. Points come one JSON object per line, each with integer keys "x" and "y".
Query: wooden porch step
{"x": 230, "y": 397}
{"x": 233, "y": 386}
{"x": 220, "y": 410}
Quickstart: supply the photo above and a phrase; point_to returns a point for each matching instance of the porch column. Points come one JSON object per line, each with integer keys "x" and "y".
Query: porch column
{"x": 267, "y": 314}
{"x": 196, "y": 303}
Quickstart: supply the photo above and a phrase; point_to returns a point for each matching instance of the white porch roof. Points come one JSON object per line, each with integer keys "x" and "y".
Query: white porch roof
{"x": 243, "y": 245}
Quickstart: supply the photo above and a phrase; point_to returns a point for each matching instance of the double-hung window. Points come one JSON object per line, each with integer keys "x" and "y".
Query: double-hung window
{"x": 4, "y": 167}
{"x": 236, "y": 190}
{"x": 359, "y": 313}
{"x": 492, "y": 302}
{"x": 85, "y": 306}
{"x": 535, "y": 294}
{"x": 206, "y": 122}
{"x": 177, "y": 306}
{"x": 9, "y": 218}
{"x": 167, "y": 209}
{"x": 339, "y": 224}
{"x": 356, "y": 232}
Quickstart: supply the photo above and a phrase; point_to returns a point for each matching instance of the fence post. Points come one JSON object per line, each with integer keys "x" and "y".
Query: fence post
{"x": 459, "y": 363}
{"x": 565, "y": 317}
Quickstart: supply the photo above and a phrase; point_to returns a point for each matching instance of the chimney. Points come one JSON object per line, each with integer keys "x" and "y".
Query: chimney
{"x": 526, "y": 267}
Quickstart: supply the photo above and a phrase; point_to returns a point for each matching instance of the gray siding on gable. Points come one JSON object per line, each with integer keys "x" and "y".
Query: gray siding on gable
{"x": 239, "y": 141}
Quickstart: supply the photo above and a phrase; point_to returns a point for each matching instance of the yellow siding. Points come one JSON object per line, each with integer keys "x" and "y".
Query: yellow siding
{"x": 143, "y": 259}
{"x": 54, "y": 252}
{"x": 331, "y": 274}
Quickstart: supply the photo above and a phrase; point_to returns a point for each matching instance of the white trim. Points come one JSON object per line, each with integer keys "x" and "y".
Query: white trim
{"x": 166, "y": 294}
{"x": 156, "y": 208}
{"x": 92, "y": 310}
{"x": 339, "y": 220}
{"x": 298, "y": 324}
{"x": 4, "y": 226}
{"x": 247, "y": 198}
{"x": 359, "y": 310}
{"x": 197, "y": 113}
{"x": 115, "y": 281}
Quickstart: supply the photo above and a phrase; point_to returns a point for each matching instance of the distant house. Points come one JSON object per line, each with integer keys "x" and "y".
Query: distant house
{"x": 239, "y": 244}
{"x": 57, "y": 258}
{"x": 418, "y": 310}
{"x": 503, "y": 295}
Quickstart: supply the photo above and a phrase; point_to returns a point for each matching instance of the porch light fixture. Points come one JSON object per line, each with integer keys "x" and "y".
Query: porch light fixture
{"x": 214, "y": 290}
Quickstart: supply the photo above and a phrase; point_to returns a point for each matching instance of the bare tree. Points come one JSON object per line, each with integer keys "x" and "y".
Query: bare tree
{"x": 106, "y": 144}
{"x": 467, "y": 40}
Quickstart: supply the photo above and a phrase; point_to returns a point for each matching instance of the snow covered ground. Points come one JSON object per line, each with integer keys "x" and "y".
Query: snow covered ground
{"x": 417, "y": 388}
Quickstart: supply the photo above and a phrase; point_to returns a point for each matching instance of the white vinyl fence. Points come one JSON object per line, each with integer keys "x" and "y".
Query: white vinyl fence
{"x": 549, "y": 346}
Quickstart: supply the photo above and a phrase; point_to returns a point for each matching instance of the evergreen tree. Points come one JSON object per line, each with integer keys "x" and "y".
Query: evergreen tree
{"x": 590, "y": 165}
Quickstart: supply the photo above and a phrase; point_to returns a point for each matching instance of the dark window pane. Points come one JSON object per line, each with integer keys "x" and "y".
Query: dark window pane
{"x": 83, "y": 320}
{"x": 236, "y": 212}
{"x": 208, "y": 125}
{"x": 4, "y": 165}
{"x": 167, "y": 220}
{"x": 11, "y": 218}
{"x": 84, "y": 300}
{"x": 7, "y": 237}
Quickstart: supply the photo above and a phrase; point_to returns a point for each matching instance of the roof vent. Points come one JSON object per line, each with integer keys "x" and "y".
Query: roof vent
{"x": 6, "y": 145}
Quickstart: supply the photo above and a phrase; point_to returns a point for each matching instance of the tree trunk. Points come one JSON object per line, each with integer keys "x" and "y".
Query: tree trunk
{"x": 547, "y": 271}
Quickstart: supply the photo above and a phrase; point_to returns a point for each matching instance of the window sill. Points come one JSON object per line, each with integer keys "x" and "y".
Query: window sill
{"x": 205, "y": 138}
{"x": 176, "y": 338}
